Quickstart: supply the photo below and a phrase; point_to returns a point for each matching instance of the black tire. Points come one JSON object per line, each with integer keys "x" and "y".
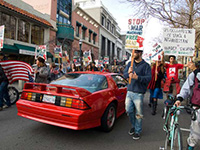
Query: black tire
{"x": 108, "y": 118}
{"x": 177, "y": 140}
{"x": 14, "y": 94}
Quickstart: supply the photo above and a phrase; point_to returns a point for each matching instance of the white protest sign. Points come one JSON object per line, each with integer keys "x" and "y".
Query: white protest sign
{"x": 2, "y": 28}
{"x": 41, "y": 52}
{"x": 133, "y": 41}
{"x": 156, "y": 52}
{"x": 58, "y": 51}
{"x": 135, "y": 26}
{"x": 178, "y": 41}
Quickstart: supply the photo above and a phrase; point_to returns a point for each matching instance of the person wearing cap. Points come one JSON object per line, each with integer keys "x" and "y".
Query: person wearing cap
{"x": 140, "y": 75}
{"x": 3, "y": 86}
{"x": 172, "y": 81}
{"x": 193, "y": 80}
{"x": 41, "y": 71}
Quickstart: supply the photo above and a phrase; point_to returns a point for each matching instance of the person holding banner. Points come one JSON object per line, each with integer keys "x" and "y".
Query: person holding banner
{"x": 157, "y": 73}
{"x": 140, "y": 75}
{"x": 172, "y": 81}
{"x": 41, "y": 72}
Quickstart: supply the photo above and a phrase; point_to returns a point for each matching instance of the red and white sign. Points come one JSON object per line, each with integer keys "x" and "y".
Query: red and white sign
{"x": 41, "y": 52}
{"x": 2, "y": 28}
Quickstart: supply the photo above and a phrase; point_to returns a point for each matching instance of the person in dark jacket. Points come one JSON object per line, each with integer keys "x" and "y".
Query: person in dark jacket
{"x": 140, "y": 75}
{"x": 3, "y": 85}
{"x": 93, "y": 67}
{"x": 41, "y": 71}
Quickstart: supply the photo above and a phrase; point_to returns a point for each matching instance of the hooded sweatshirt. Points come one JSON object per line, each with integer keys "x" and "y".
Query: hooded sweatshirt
{"x": 143, "y": 70}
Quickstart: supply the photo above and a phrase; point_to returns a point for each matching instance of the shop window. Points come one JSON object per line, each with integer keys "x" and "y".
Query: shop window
{"x": 23, "y": 31}
{"x": 10, "y": 25}
{"x": 37, "y": 35}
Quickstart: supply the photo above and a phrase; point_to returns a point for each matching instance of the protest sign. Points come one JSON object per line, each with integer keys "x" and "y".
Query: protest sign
{"x": 106, "y": 60}
{"x": 58, "y": 51}
{"x": 133, "y": 41}
{"x": 87, "y": 58}
{"x": 124, "y": 57}
{"x": 178, "y": 41}
{"x": 77, "y": 61}
{"x": 41, "y": 52}
{"x": 2, "y": 28}
{"x": 156, "y": 52}
{"x": 135, "y": 26}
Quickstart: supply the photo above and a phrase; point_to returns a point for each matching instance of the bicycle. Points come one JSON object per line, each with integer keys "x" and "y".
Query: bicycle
{"x": 173, "y": 139}
{"x": 13, "y": 94}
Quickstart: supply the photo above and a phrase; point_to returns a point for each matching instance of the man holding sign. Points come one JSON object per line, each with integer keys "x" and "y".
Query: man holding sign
{"x": 140, "y": 75}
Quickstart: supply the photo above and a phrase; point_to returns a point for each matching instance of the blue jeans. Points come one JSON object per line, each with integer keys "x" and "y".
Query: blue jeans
{"x": 4, "y": 93}
{"x": 134, "y": 109}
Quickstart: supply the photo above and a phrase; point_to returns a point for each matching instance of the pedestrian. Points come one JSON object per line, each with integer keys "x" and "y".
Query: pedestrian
{"x": 193, "y": 80}
{"x": 93, "y": 67}
{"x": 3, "y": 86}
{"x": 157, "y": 74}
{"x": 140, "y": 75}
{"x": 172, "y": 83}
{"x": 41, "y": 72}
{"x": 105, "y": 69}
{"x": 53, "y": 72}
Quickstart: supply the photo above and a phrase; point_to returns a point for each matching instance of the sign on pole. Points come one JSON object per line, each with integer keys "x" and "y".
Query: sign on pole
{"x": 156, "y": 52}
{"x": 178, "y": 41}
{"x": 41, "y": 52}
{"x": 58, "y": 51}
{"x": 2, "y": 28}
{"x": 133, "y": 41}
{"x": 106, "y": 60}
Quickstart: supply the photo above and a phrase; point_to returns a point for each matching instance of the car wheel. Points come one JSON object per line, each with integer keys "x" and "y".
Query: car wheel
{"x": 108, "y": 118}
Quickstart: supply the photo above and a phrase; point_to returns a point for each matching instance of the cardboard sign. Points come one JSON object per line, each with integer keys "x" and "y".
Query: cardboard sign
{"x": 41, "y": 52}
{"x": 2, "y": 28}
{"x": 87, "y": 57}
{"x": 156, "y": 52}
{"x": 133, "y": 41}
{"x": 178, "y": 41}
{"x": 58, "y": 51}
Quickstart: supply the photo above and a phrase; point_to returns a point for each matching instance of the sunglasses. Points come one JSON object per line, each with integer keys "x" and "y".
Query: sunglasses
{"x": 137, "y": 51}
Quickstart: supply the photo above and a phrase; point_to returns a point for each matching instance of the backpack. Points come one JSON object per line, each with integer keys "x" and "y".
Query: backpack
{"x": 195, "y": 100}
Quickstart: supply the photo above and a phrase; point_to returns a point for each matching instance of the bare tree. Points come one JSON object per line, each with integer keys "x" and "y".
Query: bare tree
{"x": 176, "y": 13}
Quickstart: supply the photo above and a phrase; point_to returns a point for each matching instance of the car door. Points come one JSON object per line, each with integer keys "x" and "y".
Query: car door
{"x": 120, "y": 90}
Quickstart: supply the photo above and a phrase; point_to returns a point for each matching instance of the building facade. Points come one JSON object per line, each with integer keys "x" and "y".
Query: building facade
{"x": 109, "y": 42}
{"x": 86, "y": 33}
{"x": 24, "y": 30}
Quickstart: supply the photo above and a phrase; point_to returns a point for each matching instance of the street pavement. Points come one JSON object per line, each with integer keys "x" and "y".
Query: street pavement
{"x": 17, "y": 133}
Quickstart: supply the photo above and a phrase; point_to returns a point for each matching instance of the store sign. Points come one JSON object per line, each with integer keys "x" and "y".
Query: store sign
{"x": 26, "y": 52}
{"x": 178, "y": 41}
{"x": 2, "y": 28}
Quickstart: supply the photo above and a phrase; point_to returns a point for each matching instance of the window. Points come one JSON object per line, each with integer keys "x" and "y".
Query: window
{"x": 108, "y": 25}
{"x": 64, "y": 6}
{"x": 23, "y": 31}
{"x": 77, "y": 30}
{"x": 83, "y": 34}
{"x": 103, "y": 20}
{"x": 90, "y": 35}
{"x": 94, "y": 38}
{"x": 10, "y": 25}
{"x": 112, "y": 29}
{"x": 37, "y": 35}
{"x": 120, "y": 81}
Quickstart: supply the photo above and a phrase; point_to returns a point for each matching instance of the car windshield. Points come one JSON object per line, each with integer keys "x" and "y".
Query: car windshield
{"x": 90, "y": 82}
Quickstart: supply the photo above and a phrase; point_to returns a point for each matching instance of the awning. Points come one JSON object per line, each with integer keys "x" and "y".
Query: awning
{"x": 25, "y": 50}
{"x": 10, "y": 49}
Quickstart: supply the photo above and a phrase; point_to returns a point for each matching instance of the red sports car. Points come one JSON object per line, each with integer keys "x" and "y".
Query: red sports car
{"x": 78, "y": 100}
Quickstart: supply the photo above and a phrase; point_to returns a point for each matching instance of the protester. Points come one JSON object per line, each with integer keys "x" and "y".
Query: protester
{"x": 53, "y": 72}
{"x": 172, "y": 81}
{"x": 155, "y": 85}
{"x": 3, "y": 86}
{"x": 41, "y": 71}
{"x": 140, "y": 75}
{"x": 193, "y": 80}
{"x": 93, "y": 67}
{"x": 105, "y": 69}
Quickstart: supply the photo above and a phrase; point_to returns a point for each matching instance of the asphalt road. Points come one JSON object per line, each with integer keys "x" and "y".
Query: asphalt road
{"x": 17, "y": 133}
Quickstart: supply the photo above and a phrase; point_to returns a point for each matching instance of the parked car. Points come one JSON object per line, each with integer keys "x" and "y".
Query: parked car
{"x": 78, "y": 100}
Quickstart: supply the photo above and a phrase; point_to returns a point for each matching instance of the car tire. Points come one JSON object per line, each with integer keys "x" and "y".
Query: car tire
{"x": 108, "y": 118}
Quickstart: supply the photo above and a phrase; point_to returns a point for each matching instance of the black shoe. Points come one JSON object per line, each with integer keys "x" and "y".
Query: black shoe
{"x": 149, "y": 105}
{"x": 153, "y": 113}
{"x": 136, "y": 136}
{"x": 131, "y": 132}
{"x": 1, "y": 108}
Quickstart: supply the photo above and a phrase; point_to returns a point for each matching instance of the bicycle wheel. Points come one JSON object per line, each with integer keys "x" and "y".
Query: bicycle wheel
{"x": 167, "y": 141}
{"x": 177, "y": 139}
{"x": 14, "y": 94}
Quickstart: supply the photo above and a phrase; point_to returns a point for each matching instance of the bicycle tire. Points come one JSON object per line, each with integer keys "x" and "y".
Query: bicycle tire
{"x": 177, "y": 140}
{"x": 14, "y": 94}
{"x": 167, "y": 141}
